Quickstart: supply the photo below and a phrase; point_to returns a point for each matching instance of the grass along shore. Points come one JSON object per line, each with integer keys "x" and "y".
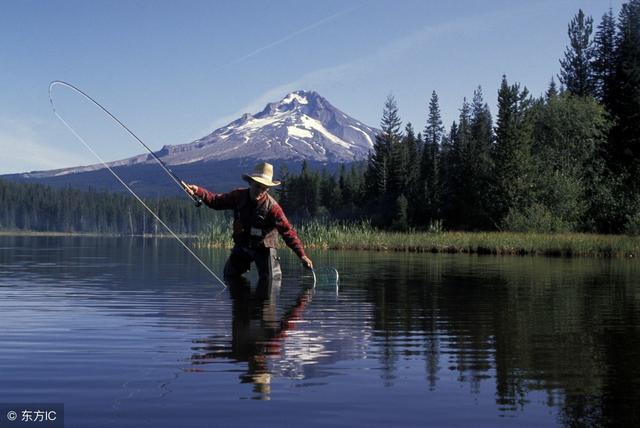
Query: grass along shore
{"x": 362, "y": 236}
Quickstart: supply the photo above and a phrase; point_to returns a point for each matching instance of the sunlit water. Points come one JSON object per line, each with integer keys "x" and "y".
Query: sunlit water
{"x": 134, "y": 332}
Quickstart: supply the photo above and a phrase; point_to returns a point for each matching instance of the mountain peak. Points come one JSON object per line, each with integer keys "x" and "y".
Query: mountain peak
{"x": 299, "y": 97}
{"x": 301, "y": 125}
{"x": 301, "y": 101}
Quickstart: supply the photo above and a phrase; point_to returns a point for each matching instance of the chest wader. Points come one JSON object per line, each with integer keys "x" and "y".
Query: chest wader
{"x": 254, "y": 235}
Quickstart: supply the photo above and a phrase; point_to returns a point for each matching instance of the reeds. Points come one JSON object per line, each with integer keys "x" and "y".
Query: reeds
{"x": 363, "y": 236}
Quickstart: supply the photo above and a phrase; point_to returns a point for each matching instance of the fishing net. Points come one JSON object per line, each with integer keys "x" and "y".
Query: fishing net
{"x": 325, "y": 277}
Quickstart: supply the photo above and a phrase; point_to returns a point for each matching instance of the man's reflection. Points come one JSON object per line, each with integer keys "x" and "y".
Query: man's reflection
{"x": 257, "y": 330}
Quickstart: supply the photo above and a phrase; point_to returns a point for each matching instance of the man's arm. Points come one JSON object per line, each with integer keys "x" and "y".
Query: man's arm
{"x": 217, "y": 201}
{"x": 289, "y": 235}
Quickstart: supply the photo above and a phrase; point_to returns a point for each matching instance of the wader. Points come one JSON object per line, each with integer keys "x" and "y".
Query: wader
{"x": 255, "y": 239}
{"x": 266, "y": 260}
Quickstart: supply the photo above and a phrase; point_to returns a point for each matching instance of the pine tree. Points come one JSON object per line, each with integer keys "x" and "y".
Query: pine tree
{"x": 457, "y": 170}
{"x": 448, "y": 167}
{"x": 479, "y": 164}
{"x": 512, "y": 176}
{"x": 399, "y": 164}
{"x": 378, "y": 176}
{"x": 282, "y": 191}
{"x": 330, "y": 194}
{"x": 430, "y": 162}
{"x": 576, "y": 73}
{"x": 308, "y": 191}
{"x": 412, "y": 143}
{"x": 347, "y": 192}
{"x": 411, "y": 188}
{"x": 434, "y": 130}
{"x": 552, "y": 91}
{"x": 604, "y": 62}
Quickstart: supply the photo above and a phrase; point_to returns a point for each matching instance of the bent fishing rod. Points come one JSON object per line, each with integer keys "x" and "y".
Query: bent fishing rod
{"x": 180, "y": 183}
{"x": 197, "y": 200}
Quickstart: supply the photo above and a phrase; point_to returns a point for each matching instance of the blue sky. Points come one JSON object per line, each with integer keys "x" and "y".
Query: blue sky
{"x": 174, "y": 71}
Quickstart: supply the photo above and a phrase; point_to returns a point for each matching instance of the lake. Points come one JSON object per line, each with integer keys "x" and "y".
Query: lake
{"x": 134, "y": 332}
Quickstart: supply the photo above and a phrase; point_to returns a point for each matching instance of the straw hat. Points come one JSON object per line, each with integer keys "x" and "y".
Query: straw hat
{"x": 263, "y": 174}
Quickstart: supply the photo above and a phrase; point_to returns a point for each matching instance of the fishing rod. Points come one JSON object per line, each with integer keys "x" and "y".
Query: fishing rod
{"x": 196, "y": 200}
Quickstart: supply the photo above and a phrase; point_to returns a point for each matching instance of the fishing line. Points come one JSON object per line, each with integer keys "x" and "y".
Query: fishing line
{"x": 167, "y": 170}
{"x": 171, "y": 174}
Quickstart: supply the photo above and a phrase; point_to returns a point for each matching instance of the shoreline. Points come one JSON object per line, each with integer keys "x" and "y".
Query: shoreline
{"x": 482, "y": 243}
{"x": 365, "y": 239}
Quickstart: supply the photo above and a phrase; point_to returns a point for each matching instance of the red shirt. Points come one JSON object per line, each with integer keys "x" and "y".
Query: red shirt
{"x": 233, "y": 200}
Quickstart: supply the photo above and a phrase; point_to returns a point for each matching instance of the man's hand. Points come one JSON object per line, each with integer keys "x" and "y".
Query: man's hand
{"x": 306, "y": 261}
{"x": 192, "y": 189}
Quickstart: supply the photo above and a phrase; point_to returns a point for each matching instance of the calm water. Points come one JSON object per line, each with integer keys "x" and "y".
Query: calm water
{"x": 132, "y": 332}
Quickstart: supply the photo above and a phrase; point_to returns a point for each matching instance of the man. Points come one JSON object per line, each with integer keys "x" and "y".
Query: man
{"x": 257, "y": 218}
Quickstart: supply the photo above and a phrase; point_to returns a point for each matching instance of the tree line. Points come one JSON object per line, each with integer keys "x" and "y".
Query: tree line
{"x": 36, "y": 207}
{"x": 568, "y": 160}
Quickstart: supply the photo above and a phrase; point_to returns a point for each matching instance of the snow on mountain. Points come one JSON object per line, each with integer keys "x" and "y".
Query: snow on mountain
{"x": 303, "y": 125}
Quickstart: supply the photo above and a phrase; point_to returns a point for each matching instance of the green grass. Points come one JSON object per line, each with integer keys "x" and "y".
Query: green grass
{"x": 362, "y": 236}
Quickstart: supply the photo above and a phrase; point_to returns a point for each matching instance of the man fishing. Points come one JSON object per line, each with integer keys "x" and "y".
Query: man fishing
{"x": 257, "y": 218}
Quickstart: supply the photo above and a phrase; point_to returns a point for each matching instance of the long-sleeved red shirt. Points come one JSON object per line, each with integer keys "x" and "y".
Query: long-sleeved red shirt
{"x": 276, "y": 219}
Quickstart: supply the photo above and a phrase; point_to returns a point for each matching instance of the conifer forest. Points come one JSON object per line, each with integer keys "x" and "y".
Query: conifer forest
{"x": 565, "y": 161}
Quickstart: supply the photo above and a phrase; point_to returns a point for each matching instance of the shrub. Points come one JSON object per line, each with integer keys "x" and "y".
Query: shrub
{"x": 632, "y": 227}
{"x": 535, "y": 218}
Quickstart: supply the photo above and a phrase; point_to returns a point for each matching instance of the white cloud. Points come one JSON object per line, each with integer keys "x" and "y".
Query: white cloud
{"x": 22, "y": 149}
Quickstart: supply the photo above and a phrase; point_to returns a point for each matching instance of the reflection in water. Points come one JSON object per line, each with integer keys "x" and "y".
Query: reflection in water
{"x": 567, "y": 328}
{"x": 447, "y": 339}
{"x": 257, "y": 331}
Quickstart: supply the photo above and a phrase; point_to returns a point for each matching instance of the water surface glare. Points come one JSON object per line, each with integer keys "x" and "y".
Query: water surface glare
{"x": 134, "y": 332}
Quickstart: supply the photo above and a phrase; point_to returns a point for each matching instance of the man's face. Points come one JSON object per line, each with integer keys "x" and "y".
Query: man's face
{"x": 257, "y": 190}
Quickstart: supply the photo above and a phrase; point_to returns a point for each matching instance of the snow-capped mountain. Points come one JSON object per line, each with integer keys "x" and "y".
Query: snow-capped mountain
{"x": 301, "y": 126}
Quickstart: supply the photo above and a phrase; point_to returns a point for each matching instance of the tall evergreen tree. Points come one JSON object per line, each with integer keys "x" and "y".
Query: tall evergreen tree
{"x": 412, "y": 164}
{"x": 309, "y": 190}
{"x": 330, "y": 193}
{"x": 455, "y": 209}
{"x": 430, "y": 162}
{"x": 282, "y": 191}
{"x": 513, "y": 180}
{"x": 434, "y": 130}
{"x": 479, "y": 164}
{"x": 399, "y": 169}
{"x": 576, "y": 72}
{"x": 377, "y": 177}
{"x": 604, "y": 61}
{"x": 378, "y": 163}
